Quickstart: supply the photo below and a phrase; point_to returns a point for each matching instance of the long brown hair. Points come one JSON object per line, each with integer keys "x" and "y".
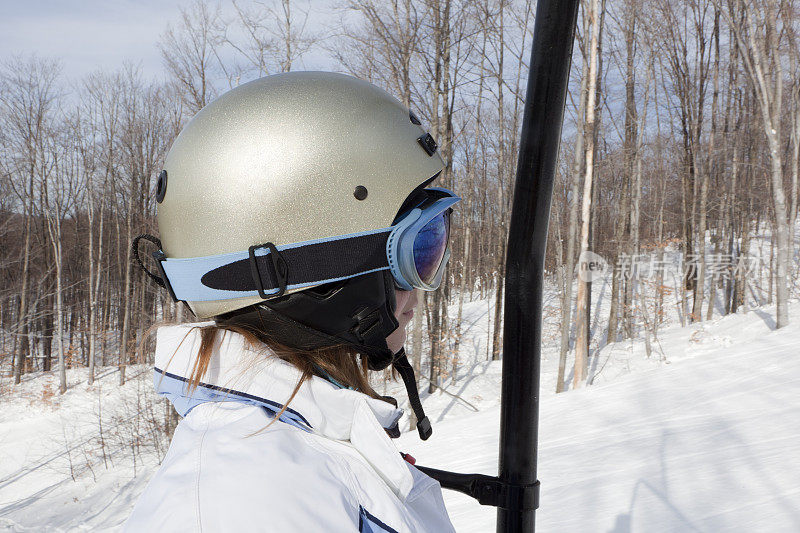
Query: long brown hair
{"x": 340, "y": 362}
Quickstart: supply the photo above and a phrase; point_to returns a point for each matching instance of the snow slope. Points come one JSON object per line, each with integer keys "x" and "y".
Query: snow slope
{"x": 702, "y": 436}
{"x": 709, "y": 442}
{"x": 71, "y": 462}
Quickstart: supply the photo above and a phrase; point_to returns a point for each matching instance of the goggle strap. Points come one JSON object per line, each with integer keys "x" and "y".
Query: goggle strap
{"x": 267, "y": 270}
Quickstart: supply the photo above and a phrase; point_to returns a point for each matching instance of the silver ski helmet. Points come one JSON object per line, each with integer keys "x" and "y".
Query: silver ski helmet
{"x": 284, "y": 159}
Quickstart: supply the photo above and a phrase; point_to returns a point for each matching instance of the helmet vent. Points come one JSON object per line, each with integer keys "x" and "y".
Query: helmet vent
{"x": 413, "y": 118}
{"x": 360, "y": 193}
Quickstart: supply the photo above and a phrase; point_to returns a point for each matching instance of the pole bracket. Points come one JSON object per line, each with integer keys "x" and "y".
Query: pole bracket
{"x": 488, "y": 490}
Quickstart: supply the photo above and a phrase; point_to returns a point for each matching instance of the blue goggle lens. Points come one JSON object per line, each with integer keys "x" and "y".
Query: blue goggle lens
{"x": 430, "y": 246}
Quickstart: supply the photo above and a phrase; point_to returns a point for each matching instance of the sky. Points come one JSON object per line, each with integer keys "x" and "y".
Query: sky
{"x": 91, "y": 34}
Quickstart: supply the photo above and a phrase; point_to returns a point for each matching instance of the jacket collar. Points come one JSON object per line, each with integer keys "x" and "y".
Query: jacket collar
{"x": 238, "y": 372}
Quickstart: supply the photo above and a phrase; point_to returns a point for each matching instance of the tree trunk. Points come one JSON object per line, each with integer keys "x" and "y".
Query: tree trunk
{"x": 582, "y": 340}
{"x": 24, "y": 344}
{"x": 572, "y": 230}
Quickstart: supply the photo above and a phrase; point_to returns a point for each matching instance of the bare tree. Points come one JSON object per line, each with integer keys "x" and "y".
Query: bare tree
{"x": 144, "y": 138}
{"x": 60, "y": 187}
{"x": 684, "y": 46}
{"x": 276, "y": 38}
{"x": 98, "y": 147}
{"x": 188, "y": 51}
{"x": 572, "y": 202}
{"x": 759, "y": 28}
{"x": 582, "y": 315}
{"x": 28, "y": 100}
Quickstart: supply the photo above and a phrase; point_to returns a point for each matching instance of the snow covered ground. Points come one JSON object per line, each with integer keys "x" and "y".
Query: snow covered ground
{"x": 77, "y": 461}
{"x": 702, "y": 436}
{"x": 707, "y": 441}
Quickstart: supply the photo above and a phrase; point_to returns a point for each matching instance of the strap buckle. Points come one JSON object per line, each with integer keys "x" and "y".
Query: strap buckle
{"x": 280, "y": 269}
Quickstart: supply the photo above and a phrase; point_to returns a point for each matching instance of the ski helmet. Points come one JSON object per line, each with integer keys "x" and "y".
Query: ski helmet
{"x": 296, "y": 203}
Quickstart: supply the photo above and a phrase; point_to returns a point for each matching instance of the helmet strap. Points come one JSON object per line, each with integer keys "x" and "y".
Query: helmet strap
{"x": 406, "y": 372}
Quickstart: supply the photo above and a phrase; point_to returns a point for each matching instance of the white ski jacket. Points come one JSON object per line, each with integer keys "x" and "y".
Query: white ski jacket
{"x": 326, "y": 465}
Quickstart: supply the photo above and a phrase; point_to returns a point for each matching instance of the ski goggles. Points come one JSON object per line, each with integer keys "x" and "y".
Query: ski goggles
{"x": 415, "y": 249}
{"x": 418, "y": 248}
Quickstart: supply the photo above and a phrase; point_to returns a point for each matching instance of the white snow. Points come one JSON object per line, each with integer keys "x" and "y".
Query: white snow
{"x": 702, "y": 436}
{"x": 708, "y": 442}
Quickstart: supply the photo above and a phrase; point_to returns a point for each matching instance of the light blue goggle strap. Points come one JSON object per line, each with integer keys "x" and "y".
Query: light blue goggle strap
{"x": 267, "y": 270}
{"x": 175, "y": 389}
{"x": 307, "y": 263}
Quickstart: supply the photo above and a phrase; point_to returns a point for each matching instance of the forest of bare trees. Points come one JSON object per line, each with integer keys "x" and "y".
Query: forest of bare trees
{"x": 682, "y": 133}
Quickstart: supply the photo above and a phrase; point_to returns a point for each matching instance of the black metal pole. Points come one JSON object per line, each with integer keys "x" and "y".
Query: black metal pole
{"x": 527, "y": 240}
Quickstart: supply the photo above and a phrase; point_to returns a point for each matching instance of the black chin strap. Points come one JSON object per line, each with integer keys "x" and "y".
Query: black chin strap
{"x": 406, "y": 372}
